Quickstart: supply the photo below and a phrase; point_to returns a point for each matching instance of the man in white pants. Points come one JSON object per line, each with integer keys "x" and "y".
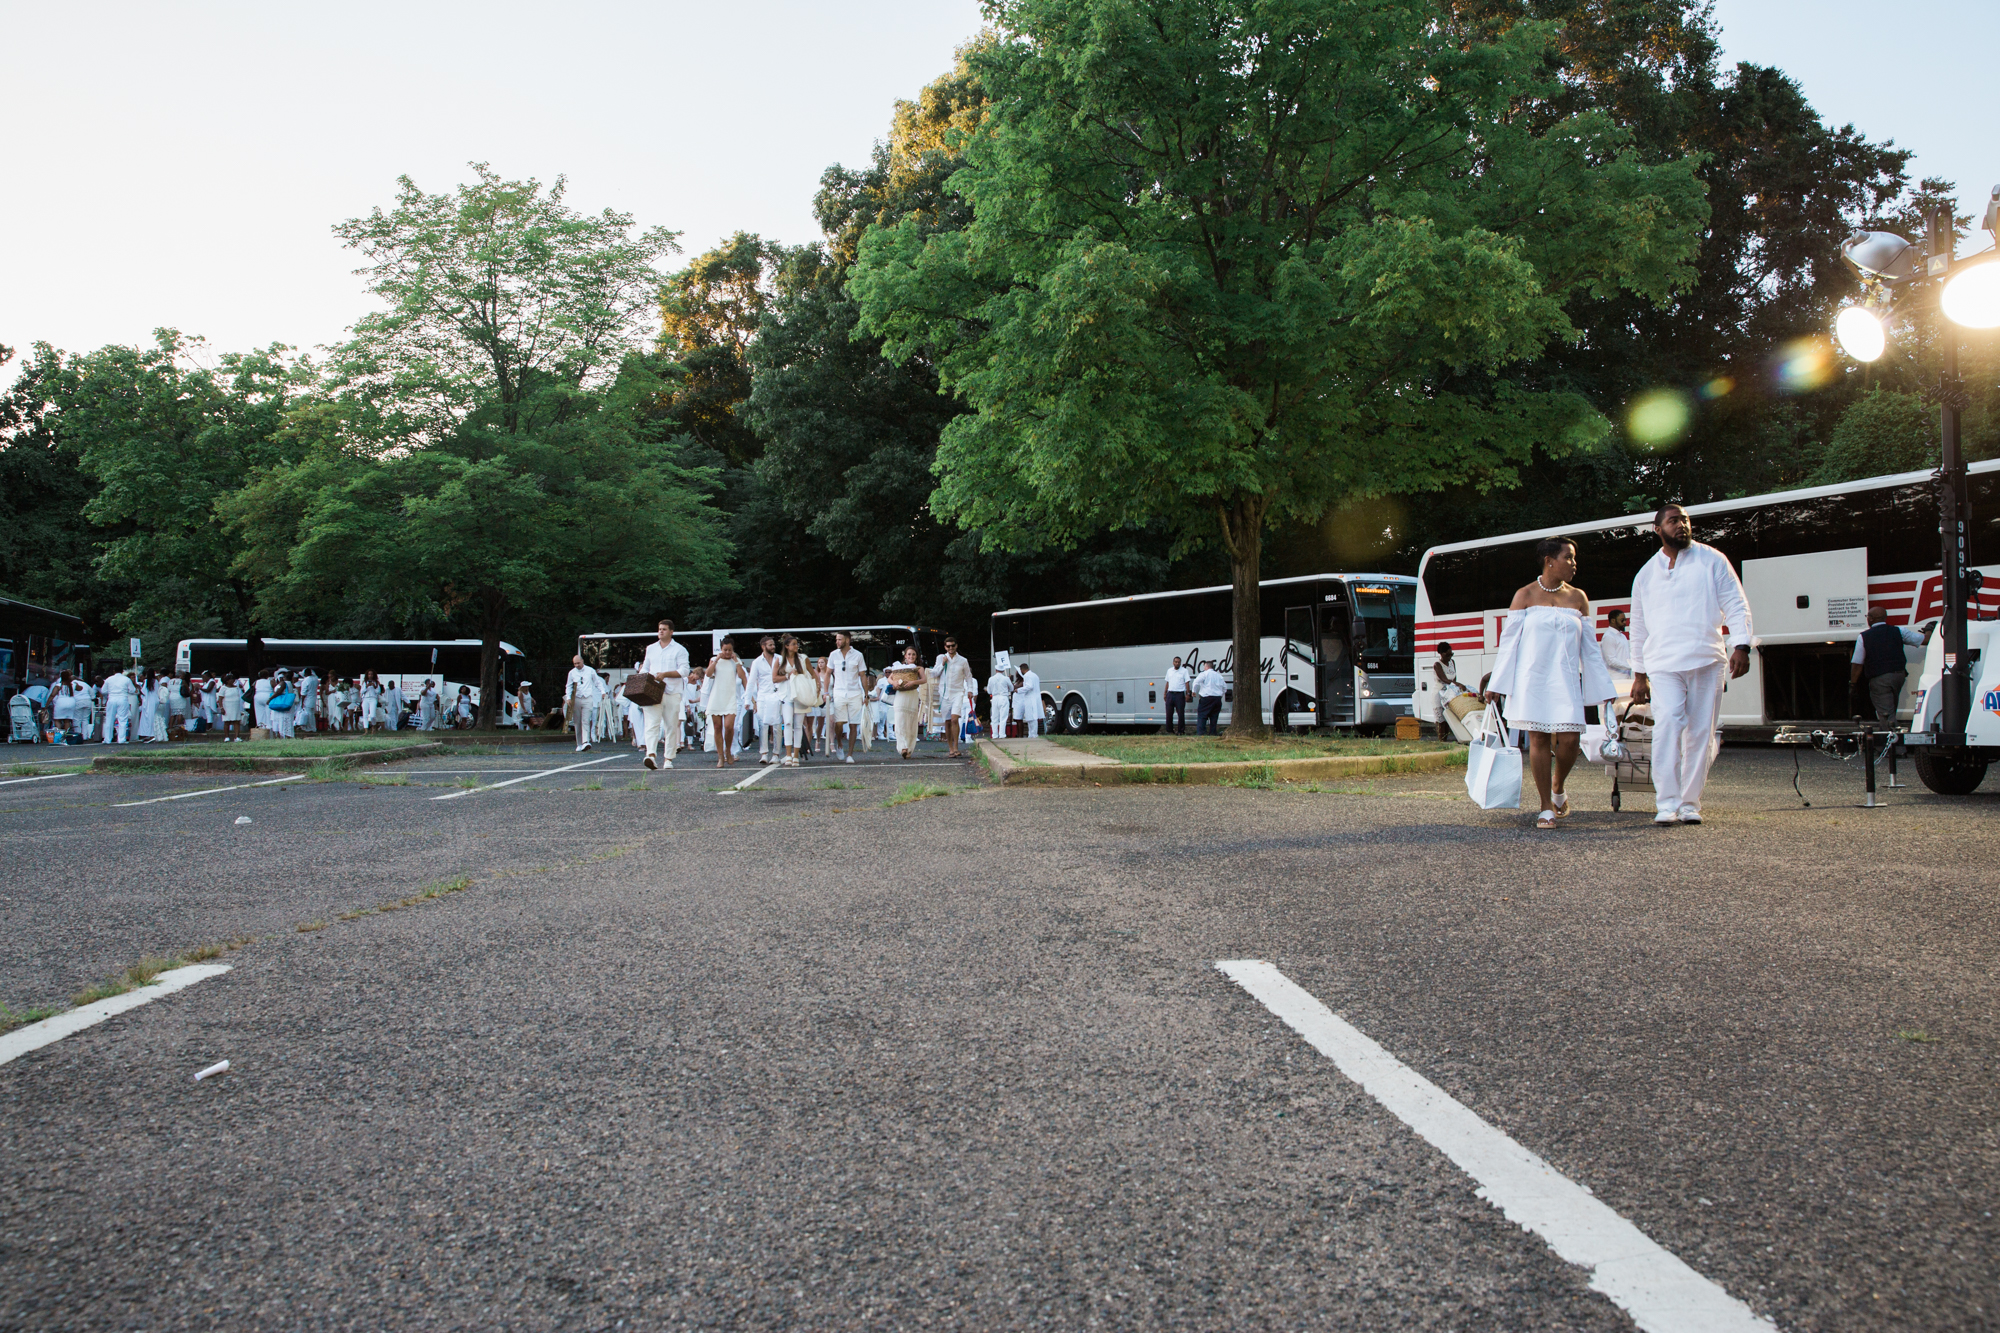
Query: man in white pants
{"x": 666, "y": 662}
{"x": 1681, "y": 600}
{"x": 769, "y": 698}
{"x": 847, "y": 704}
{"x": 119, "y": 696}
{"x": 582, "y": 690}
{"x": 1028, "y": 701}
{"x": 1000, "y": 705}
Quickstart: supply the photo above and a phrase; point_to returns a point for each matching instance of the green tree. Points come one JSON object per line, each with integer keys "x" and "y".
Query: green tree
{"x": 164, "y": 438}
{"x": 482, "y": 457}
{"x": 1235, "y": 261}
{"x": 1883, "y": 431}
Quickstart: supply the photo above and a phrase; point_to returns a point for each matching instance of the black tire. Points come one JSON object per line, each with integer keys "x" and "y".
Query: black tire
{"x": 1951, "y": 774}
{"x": 1051, "y": 718}
{"x": 1281, "y": 712}
{"x": 1075, "y": 717}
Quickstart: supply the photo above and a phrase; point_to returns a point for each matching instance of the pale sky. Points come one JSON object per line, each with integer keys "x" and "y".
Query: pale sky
{"x": 183, "y": 164}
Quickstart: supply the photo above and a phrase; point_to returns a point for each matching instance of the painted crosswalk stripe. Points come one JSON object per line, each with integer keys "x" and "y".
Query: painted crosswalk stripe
{"x": 526, "y": 777}
{"x": 1659, "y": 1291}
{"x": 208, "y": 791}
{"x": 34, "y": 1036}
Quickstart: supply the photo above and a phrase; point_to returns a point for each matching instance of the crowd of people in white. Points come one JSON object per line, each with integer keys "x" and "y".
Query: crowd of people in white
{"x": 145, "y": 706}
{"x": 788, "y": 705}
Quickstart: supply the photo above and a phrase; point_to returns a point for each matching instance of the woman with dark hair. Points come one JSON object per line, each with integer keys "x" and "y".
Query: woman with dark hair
{"x": 1549, "y": 666}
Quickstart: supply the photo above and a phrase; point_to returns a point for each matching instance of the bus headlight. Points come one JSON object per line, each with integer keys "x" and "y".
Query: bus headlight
{"x": 1361, "y": 685}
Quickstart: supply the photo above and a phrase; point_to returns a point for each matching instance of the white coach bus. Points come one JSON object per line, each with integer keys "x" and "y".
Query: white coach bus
{"x": 1336, "y": 651}
{"x": 1812, "y": 562}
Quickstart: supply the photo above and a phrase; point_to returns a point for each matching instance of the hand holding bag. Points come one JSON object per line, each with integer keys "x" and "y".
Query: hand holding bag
{"x": 805, "y": 691}
{"x": 643, "y": 690}
{"x": 1493, "y": 767}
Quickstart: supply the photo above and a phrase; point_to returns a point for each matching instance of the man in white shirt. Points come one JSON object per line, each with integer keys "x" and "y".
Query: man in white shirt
{"x": 1178, "y": 679}
{"x": 1880, "y": 659}
{"x": 1681, "y": 600}
{"x": 768, "y": 697}
{"x": 666, "y": 662}
{"x": 1209, "y": 687}
{"x": 1001, "y": 691}
{"x": 954, "y": 681}
{"x": 1028, "y": 701}
{"x": 1617, "y": 650}
{"x": 847, "y": 705}
{"x": 392, "y": 702}
{"x": 120, "y": 694}
{"x": 582, "y": 689}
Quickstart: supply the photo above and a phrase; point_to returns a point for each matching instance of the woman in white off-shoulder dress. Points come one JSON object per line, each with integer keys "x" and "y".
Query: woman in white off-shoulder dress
{"x": 1549, "y": 668}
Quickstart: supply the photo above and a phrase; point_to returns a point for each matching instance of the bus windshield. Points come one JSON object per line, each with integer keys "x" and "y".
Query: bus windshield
{"x": 1386, "y": 615}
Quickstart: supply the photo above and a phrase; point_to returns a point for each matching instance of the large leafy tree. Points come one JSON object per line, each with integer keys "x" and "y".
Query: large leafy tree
{"x": 1783, "y": 189}
{"x": 480, "y": 456}
{"x": 164, "y": 437}
{"x": 1234, "y": 261}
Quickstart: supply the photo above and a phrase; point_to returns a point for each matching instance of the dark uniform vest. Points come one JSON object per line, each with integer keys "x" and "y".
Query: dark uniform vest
{"x": 1882, "y": 651}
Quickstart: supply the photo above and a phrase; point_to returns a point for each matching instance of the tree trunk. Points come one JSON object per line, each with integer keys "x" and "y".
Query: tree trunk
{"x": 1243, "y": 538}
{"x": 489, "y": 662}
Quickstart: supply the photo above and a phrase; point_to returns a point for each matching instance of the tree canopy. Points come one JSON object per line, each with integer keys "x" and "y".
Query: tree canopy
{"x": 1234, "y": 261}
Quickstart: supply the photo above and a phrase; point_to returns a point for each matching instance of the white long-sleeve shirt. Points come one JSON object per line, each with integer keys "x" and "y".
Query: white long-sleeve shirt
{"x": 1617, "y": 650}
{"x": 1678, "y": 613}
{"x": 661, "y": 658}
{"x": 953, "y": 674}
{"x": 583, "y": 684}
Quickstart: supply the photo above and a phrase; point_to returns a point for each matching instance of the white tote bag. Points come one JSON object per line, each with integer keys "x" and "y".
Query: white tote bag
{"x": 1493, "y": 767}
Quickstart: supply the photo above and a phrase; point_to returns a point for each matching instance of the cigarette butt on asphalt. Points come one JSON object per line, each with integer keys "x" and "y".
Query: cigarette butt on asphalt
{"x": 242, "y": 819}
{"x": 218, "y": 1067}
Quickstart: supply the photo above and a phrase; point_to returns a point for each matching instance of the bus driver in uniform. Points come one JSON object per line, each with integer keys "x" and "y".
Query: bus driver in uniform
{"x": 1178, "y": 678}
{"x": 1878, "y": 656}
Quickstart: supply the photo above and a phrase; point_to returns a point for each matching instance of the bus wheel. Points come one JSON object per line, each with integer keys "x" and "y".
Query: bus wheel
{"x": 1281, "y": 712}
{"x": 1951, "y": 775}
{"x": 1075, "y": 717}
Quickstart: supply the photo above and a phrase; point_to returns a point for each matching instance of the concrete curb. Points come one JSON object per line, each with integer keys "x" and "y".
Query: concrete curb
{"x": 1009, "y": 773}
{"x": 170, "y": 763}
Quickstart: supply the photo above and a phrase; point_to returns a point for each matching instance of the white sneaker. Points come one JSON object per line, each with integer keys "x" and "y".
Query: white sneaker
{"x": 1665, "y": 818}
{"x": 850, "y": 759}
{"x": 1690, "y": 815}
{"x": 650, "y": 763}
{"x": 666, "y": 763}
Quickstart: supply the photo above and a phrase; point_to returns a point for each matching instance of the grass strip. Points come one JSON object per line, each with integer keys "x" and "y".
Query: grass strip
{"x": 292, "y": 749}
{"x": 142, "y": 973}
{"x": 1226, "y": 749}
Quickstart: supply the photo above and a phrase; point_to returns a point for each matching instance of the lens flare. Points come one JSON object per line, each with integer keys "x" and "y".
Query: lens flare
{"x": 1860, "y": 333}
{"x": 1719, "y": 387}
{"x": 1658, "y": 417}
{"x": 1972, "y": 298}
{"x": 1803, "y": 366}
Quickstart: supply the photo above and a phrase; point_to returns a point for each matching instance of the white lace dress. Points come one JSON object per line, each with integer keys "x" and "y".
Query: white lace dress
{"x": 1549, "y": 668}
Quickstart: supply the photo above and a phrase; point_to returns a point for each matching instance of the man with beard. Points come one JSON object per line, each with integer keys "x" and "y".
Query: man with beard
{"x": 1681, "y": 600}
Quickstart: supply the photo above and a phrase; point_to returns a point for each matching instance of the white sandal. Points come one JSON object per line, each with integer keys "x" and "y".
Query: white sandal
{"x": 1546, "y": 819}
{"x": 1562, "y": 804}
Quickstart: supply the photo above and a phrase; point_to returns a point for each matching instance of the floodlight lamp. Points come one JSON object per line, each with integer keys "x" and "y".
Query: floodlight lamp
{"x": 1860, "y": 333}
{"x": 1880, "y": 254}
{"x": 1972, "y": 296}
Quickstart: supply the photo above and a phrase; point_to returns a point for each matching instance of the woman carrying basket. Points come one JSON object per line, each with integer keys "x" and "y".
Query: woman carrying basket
{"x": 1549, "y": 666}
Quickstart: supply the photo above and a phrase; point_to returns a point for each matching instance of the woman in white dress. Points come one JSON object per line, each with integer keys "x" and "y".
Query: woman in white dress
{"x": 723, "y": 695}
{"x": 1549, "y": 666}
{"x": 371, "y": 702}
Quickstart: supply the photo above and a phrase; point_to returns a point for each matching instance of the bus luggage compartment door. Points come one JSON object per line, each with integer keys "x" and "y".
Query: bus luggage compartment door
{"x": 1806, "y": 610}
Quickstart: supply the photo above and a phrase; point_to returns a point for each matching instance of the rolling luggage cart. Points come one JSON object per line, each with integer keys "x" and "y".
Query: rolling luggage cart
{"x": 1635, "y": 733}
{"x": 22, "y": 728}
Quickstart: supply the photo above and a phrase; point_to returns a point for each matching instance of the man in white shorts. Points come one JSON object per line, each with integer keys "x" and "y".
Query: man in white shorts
{"x": 847, "y": 702}
{"x": 1028, "y": 701}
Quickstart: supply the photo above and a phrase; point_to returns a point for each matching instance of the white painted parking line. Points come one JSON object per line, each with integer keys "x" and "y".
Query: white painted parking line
{"x": 758, "y": 776}
{"x": 1662, "y": 1294}
{"x": 43, "y": 778}
{"x": 526, "y": 777}
{"x": 15, "y": 1044}
{"x": 209, "y": 791}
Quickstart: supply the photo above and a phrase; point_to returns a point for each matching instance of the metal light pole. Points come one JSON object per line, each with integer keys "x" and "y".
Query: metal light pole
{"x": 1955, "y": 686}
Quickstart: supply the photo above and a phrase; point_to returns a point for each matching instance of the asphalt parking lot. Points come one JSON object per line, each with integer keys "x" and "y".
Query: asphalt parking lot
{"x": 807, "y": 1055}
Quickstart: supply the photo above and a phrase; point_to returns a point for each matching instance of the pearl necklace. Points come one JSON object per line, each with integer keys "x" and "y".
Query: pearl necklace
{"x": 1546, "y": 588}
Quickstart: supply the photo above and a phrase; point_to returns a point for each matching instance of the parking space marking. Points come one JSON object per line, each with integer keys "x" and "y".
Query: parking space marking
{"x": 1659, "y": 1291}
{"x": 758, "y": 776}
{"x": 43, "y": 778}
{"x": 526, "y": 777}
{"x": 208, "y": 791}
{"x": 34, "y": 1036}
